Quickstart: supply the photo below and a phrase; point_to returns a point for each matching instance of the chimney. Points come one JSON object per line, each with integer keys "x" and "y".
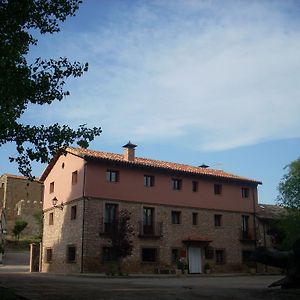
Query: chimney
{"x": 129, "y": 151}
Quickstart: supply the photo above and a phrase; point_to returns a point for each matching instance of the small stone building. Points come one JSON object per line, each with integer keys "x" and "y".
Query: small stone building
{"x": 2, "y": 227}
{"x": 21, "y": 199}
{"x": 179, "y": 212}
{"x": 267, "y": 214}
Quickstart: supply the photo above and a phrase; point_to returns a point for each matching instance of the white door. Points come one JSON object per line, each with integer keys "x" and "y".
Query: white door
{"x": 195, "y": 260}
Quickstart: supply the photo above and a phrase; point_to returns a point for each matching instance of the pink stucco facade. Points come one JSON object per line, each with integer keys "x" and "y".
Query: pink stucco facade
{"x": 130, "y": 187}
{"x": 61, "y": 176}
{"x": 92, "y": 182}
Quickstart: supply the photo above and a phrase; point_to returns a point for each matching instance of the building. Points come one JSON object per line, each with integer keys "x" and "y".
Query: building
{"x": 2, "y": 227}
{"x": 267, "y": 215}
{"x": 196, "y": 214}
{"x": 21, "y": 198}
{"x": 2, "y": 234}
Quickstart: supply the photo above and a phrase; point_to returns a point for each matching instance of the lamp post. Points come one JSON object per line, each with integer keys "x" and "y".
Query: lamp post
{"x": 55, "y": 205}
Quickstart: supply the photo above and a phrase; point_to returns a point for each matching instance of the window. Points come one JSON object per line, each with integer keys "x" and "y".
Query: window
{"x": 245, "y": 192}
{"x": 218, "y": 189}
{"x": 209, "y": 252}
{"x": 71, "y": 254}
{"x": 195, "y": 218}
{"x": 174, "y": 255}
{"x": 218, "y": 220}
{"x": 195, "y": 186}
{"x": 49, "y": 253}
{"x": 108, "y": 254}
{"x": 51, "y": 189}
{"x": 148, "y": 217}
{"x": 245, "y": 227}
{"x": 74, "y": 177}
{"x": 149, "y": 254}
{"x": 176, "y": 184}
{"x": 51, "y": 218}
{"x": 220, "y": 256}
{"x": 176, "y": 217}
{"x": 245, "y": 223}
{"x": 110, "y": 217}
{"x": 73, "y": 212}
{"x": 148, "y": 180}
{"x": 112, "y": 176}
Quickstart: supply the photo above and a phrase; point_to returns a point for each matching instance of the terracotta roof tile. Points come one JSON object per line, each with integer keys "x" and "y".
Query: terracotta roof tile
{"x": 270, "y": 211}
{"x": 197, "y": 238}
{"x": 145, "y": 162}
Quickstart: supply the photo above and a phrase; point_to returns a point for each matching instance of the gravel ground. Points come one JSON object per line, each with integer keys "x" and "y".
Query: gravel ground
{"x": 55, "y": 287}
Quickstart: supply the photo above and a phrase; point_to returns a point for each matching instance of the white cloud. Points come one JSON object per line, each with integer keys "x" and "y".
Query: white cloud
{"x": 229, "y": 73}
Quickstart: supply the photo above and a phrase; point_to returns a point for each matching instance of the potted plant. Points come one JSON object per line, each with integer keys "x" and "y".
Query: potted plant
{"x": 182, "y": 265}
{"x": 251, "y": 267}
{"x": 207, "y": 268}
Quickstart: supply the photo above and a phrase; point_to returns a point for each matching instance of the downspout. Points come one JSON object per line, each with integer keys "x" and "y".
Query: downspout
{"x": 254, "y": 216}
{"x": 83, "y": 220}
{"x": 254, "y": 221}
{"x": 42, "y": 241}
{"x": 265, "y": 242}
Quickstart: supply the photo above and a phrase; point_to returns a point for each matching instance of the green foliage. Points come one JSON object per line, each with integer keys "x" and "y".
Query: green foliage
{"x": 289, "y": 228}
{"x": 2, "y": 248}
{"x": 121, "y": 237}
{"x": 38, "y": 218}
{"x": 38, "y": 82}
{"x": 207, "y": 266}
{"x": 182, "y": 265}
{"x": 20, "y": 225}
{"x": 112, "y": 268}
{"x": 289, "y": 186}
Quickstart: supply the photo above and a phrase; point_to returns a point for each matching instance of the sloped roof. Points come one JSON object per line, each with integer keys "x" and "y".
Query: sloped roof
{"x": 197, "y": 238}
{"x": 270, "y": 212}
{"x": 140, "y": 162}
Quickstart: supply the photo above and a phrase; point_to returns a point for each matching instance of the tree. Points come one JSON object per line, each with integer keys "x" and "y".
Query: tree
{"x": 38, "y": 82}
{"x": 289, "y": 186}
{"x": 20, "y": 225}
{"x": 38, "y": 219}
{"x": 289, "y": 196}
{"x": 120, "y": 236}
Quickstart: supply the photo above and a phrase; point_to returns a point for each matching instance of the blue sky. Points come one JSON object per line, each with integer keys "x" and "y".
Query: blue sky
{"x": 189, "y": 81}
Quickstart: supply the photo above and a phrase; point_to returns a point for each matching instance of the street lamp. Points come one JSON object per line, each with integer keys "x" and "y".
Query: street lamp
{"x": 54, "y": 202}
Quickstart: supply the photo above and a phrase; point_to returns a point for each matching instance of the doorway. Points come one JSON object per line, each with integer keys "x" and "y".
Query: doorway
{"x": 195, "y": 260}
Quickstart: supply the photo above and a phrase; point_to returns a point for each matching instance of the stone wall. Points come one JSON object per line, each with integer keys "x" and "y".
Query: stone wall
{"x": 65, "y": 231}
{"x": 21, "y": 199}
{"x": 58, "y": 236}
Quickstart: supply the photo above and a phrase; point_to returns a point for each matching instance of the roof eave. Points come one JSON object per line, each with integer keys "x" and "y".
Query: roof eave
{"x": 168, "y": 170}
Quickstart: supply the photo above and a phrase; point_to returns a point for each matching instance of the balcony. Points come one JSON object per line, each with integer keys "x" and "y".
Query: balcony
{"x": 108, "y": 227}
{"x": 150, "y": 231}
{"x": 246, "y": 236}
